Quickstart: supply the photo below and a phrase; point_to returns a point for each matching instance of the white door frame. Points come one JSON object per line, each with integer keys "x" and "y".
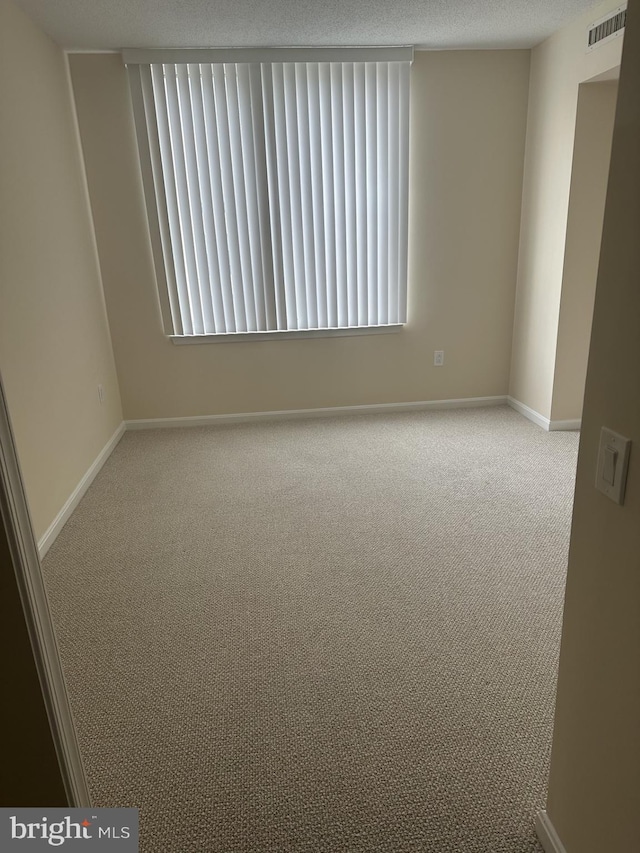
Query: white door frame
{"x": 14, "y": 511}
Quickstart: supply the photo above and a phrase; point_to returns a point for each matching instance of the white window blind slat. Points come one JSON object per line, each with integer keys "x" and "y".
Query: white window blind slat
{"x": 294, "y": 201}
{"x": 281, "y": 191}
{"x": 393, "y": 194}
{"x": 317, "y": 217}
{"x": 252, "y": 208}
{"x": 190, "y": 103}
{"x": 306, "y": 197}
{"x": 272, "y": 191}
{"x": 227, "y": 135}
{"x": 244, "y": 223}
{"x": 211, "y": 285}
{"x": 350, "y": 183}
{"x": 386, "y": 284}
{"x": 219, "y": 235}
{"x": 338, "y": 293}
{"x": 329, "y": 314}
{"x": 371, "y": 123}
{"x": 402, "y": 188}
{"x": 284, "y": 192}
{"x": 183, "y": 193}
{"x": 360, "y": 149}
{"x": 171, "y": 189}
{"x": 156, "y": 198}
{"x": 264, "y": 253}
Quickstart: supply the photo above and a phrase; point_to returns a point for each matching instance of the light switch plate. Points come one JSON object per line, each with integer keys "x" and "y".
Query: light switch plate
{"x": 613, "y": 464}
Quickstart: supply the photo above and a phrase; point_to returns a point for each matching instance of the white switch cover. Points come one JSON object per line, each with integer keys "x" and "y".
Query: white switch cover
{"x": 438, "y": 357}
{"x": 613, "y": 462}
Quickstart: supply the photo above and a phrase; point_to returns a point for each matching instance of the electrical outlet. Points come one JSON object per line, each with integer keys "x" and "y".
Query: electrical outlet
{"x": 101, "y": 393}
{"x": 438, "y": 357}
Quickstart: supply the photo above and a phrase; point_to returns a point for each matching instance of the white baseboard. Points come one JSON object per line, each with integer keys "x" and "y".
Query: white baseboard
{"x": 547, "y": 834}
{"x": 529, "y": 413}
{"x": 540, "y": 420}
{"x": 575, "y": 423}
{"x": 58, "y": 523}
{"x": 76, "y": 496}
{"x": 296, "y": 414}
{"x": 54, "y": 529}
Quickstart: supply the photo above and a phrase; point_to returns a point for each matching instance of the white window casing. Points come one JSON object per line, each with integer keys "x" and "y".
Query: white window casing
{"x": 277, "y": 187}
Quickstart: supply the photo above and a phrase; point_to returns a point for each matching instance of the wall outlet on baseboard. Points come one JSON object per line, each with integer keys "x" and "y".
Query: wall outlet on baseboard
{"x": 101, "y": 393}
{"x": 438, "y": 358}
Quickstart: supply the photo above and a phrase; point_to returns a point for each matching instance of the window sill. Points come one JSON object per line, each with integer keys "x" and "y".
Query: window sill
{"x": 297, "y": 334}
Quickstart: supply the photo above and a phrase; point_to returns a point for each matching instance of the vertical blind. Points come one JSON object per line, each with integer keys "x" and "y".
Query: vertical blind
{"x": 278, "y": 192}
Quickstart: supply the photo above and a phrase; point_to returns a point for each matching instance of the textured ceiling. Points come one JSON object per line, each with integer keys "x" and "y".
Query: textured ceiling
{"x": 111, "y": 24}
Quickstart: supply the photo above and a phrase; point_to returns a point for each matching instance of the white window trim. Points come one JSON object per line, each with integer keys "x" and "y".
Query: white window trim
{"x": 278, "y": 334}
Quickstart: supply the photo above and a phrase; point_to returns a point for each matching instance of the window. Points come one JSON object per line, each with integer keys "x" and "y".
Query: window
{"x": 276, "y": 190}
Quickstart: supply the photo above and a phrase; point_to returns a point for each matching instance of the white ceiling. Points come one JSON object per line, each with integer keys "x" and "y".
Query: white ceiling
{"x": 440, "y": 24}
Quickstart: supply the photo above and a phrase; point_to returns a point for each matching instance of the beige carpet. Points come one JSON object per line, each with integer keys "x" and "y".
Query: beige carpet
{"x": 333, "y": 635}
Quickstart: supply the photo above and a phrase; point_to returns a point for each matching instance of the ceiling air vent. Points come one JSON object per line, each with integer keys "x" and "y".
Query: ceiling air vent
{"x": 607, "y": 28}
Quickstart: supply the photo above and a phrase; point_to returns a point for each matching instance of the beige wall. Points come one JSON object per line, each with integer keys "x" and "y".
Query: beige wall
{"x": 467, "y": 146}
{"x": 594, "y": 787}
{"x": 558, "y": 66}
{"x": 54, "y": 338}
{"x": 589, "y": 175}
